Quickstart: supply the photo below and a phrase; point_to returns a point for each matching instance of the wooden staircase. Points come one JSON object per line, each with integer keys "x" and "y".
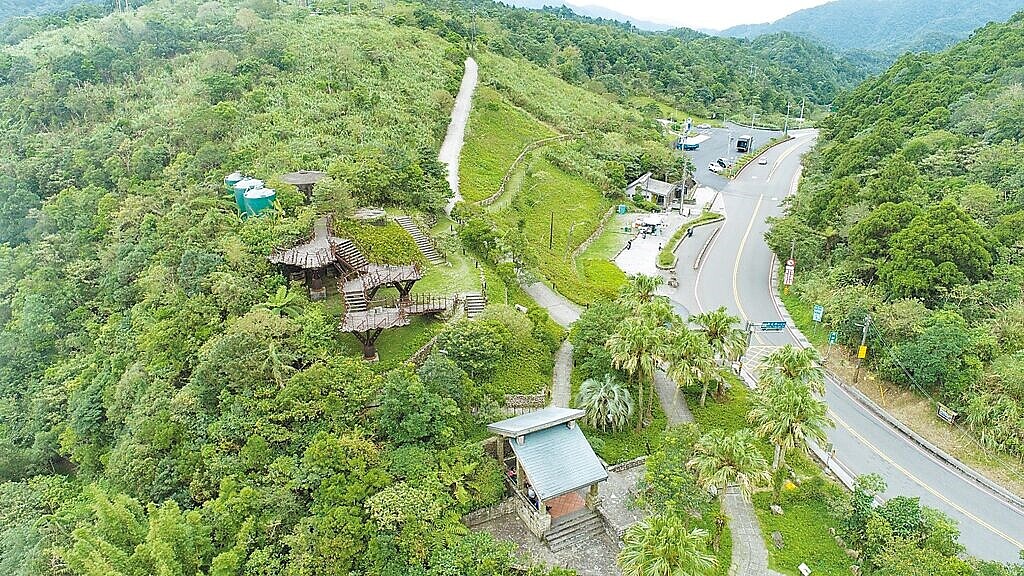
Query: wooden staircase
{"x": 421, "y": 239}
{"x": 475, "y": 304}
{"x": 576, "y": 528}
{"x": 350, "y": 255}
{"x": 355, "y": 300}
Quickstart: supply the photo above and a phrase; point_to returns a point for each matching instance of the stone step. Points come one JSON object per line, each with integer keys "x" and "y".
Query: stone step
{"x": 422, "y": 240}
{"x": 475, "y": 304}
{"x": 579, "y": 527}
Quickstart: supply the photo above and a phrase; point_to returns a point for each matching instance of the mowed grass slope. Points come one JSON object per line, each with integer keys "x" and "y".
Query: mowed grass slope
{"x": 496, "y": 135}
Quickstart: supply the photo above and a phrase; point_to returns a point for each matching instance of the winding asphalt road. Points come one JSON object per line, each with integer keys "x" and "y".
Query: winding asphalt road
{"x": 736, "y": 273}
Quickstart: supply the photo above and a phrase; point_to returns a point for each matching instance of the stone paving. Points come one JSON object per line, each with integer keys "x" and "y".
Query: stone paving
{"x": 642, "y": 255}
{"x": 592, "y": 557}
{"x": 561, "y": 385}
{"x": 617, "y": 499}
{"x": 672, "y": 400}
{"x": 749, "y": 553}
{"x": 562, "y": 311}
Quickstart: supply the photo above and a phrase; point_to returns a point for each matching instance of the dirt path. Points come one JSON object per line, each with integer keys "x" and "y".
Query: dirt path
{"x": 451, "y": 149}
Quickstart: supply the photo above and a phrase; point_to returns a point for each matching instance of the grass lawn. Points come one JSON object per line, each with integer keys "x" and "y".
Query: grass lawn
{"x": 553, "y": 204}
{"x": 496, "y": 134}
{"x": 667, "y": 111}
{"x": 397, "y": 344}
{"x": 729, "y": 414}
{"x": 804, "y": 526}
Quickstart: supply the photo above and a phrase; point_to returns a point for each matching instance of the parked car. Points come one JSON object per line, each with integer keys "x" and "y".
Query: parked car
{"x": 714, "y": 167}
{"x": 723, "y": 162}
{"x": 690, "y": 146}
{"x": 762, "y": 160}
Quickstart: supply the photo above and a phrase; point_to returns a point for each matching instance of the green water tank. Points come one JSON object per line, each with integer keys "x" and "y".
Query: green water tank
{"x": 231, "y": 179}
{"x": 259, "y": 200}
{"x": 622, "y": 208}
{"x": 243, "y": 186}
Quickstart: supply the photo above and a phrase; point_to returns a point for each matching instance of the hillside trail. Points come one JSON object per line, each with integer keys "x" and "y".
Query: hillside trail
{"x": 451, "y": 149}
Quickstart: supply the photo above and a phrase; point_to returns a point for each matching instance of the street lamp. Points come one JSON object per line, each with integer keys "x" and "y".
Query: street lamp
{"x": 752, "y": 118}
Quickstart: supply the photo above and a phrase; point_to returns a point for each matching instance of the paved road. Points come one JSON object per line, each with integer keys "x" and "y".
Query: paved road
{"x": 722, "y": 144}
{"x": 451, "y": 148}
{"x": 736, "y": 274}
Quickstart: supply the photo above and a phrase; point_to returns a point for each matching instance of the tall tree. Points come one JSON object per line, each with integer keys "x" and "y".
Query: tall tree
{"x": 607, "y": 401}
{"x": 691, "y": 360}
{"x": 636, "y": 348}
{"x": 790, "y": 363}
{"x": 787, "y": 413}
{"x": 721, "y": 460}
{"x": 723, "y": 333}
{"x": 640, "y": 290}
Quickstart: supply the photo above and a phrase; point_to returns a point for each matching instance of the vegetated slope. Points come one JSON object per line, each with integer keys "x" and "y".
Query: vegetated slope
{"x": 13, "y": 8}
{"x": 704, "y": 75}
{"x": 912, "y": 210}
{"x": 595, "y": 12}
{"x": 890, "y": 26}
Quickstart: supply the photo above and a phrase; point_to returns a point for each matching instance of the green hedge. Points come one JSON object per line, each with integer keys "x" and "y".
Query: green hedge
{"x": 667, "y": 256}
{"x": 748, "y": 157}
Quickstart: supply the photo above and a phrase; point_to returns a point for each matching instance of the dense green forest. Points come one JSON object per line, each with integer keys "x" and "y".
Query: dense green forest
{"x": 912, "y": 211}
{"x": 703, "y": 75}
{"x": 14, "y": 8}
{"x": 886, "y": 26}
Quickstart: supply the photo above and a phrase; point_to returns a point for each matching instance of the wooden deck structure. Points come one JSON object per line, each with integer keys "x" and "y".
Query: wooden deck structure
{"x": 367, "y": 325}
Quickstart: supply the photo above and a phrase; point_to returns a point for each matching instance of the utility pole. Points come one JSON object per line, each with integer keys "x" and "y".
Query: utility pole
{"x": 551, "y": 232}
{"x": 863, "y": 343}
{"x": 802, "y": 102}
{"x": 785, "y": 127}
{"x": 750, "y": 332}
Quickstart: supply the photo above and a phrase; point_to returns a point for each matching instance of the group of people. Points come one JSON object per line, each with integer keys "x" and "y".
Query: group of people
{"x": 531, "y": 494}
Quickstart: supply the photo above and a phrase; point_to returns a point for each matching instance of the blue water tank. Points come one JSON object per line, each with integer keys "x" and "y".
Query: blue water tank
{"x": 243, "y": 186}
{"x": 259, "y": 200}
{"x": 231, "y": 179}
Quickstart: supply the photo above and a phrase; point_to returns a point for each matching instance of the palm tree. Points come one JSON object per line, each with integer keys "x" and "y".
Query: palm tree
{"x": 607, "y": 401}
{"x": 723, "y": 333}
{"x": 721, "y": 460}
{"x": 639, "y": 290}
{"x": 691, "y": 360}
{"x": 635, "y": 348}
{"x": 284, "y": 301}
{"x": 662, "y": 546}
{"x": 787, "y": 414}
{"x": 797, "y": 364}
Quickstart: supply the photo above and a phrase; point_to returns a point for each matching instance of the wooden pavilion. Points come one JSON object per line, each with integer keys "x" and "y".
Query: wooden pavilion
{"x": 304, "y": 180}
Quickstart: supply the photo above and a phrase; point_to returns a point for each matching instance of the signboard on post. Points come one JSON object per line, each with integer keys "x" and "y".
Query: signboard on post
{"x": 833, "y": 337}
{"x": 819, "y": 311}
{"x": 947, "y": 415}
{"x": 773, "y": 326}
{"x": 863, "y": 352}
{"x": 787, "y": 278}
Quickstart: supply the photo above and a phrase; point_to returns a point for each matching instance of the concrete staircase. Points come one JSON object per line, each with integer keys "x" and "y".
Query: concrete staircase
{"x": 351, "y": 255}
{"x": 576, "y": 528}
{"x": 475, "y": 304}
{"x": 421, "y": 239}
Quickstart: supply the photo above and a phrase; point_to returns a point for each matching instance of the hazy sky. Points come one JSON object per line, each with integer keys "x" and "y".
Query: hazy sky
{"x": 715, "y": 14}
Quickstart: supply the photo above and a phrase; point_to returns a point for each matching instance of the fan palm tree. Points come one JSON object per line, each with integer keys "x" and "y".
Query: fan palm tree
{"x": 723, "y": 332}
{"x": 691, "y": 360}
{"x": 639, "y": 290}
{"x": 787, "y": 414}
{"x": 721, "y": 460}
{"x": 662, "y": 546}
{"x": 607, "y": 401}
{"x": 284, "y": 301}
{"x": 635, "y": 348}
{"x": 796, "y": 364}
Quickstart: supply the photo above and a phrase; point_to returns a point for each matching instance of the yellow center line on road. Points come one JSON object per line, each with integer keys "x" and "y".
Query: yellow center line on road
{"x": 919, "y": 482}
{"x": 778, "y": 163}
{"x": 736, "y": 265}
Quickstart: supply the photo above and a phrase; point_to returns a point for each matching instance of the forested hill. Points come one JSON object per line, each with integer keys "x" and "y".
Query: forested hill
{"x": 12, "y": 8}
{"x": 701, "y": 74}
{"x": 889, "y": 26}
{"x": 912, "y": 210}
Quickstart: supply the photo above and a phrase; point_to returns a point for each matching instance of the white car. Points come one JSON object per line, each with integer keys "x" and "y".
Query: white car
{"x": 762, "y": 160}
{"x": 714, "y": 167}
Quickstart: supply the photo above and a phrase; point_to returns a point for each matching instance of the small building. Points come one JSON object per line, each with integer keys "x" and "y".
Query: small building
{"x": 657, "y": 191}
{"x": 551, "y": 468}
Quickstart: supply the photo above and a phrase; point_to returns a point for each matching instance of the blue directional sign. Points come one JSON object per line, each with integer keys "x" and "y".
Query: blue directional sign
{"x": 819, "y": 311}
{"x": 772, "y": 326}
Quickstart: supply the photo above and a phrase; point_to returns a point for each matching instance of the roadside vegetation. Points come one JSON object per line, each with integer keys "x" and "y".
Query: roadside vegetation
{"x": 917, "y": 223}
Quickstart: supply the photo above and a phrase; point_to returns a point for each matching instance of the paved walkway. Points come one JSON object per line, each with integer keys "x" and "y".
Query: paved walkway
{"x": 451, "y": 148}
{"x": 561, "y": 387}
{"x": 672, "y": 400}
{"x": 562, "y": 311}
{"x": 749, "y": 553}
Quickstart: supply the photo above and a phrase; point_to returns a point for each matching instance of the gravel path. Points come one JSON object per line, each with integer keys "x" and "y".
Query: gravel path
{"x": 672, "y": 400}
{"x": 452, "y": 146}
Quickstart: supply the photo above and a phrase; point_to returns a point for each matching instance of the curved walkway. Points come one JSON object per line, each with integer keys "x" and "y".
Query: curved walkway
{"x": 451, "y": 149}
{"x": 749, "y": 553}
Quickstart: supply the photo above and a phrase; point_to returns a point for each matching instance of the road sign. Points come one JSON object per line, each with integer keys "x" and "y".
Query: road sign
{"x": 787, "y": 278}
{"x": 949, "y": 416}
{"x": 819, "y": 311}
{"x": 863, "y": 352}
{"x": 833, "y": 337}
{"x": 772, "y": 326}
